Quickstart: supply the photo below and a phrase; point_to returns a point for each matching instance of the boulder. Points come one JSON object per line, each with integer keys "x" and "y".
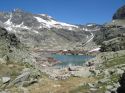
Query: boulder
{"x": 5, "y": 79}
{"x": 91, "y": 85}
{"x": 2, "y": 61}
{"x": 109, "y": 87}
{"x": 119, "y": 71}
{"x": 21, "y": 78}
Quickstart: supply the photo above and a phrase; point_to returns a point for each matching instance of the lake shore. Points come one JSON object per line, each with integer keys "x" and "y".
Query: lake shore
{"x": 84, "y": 70}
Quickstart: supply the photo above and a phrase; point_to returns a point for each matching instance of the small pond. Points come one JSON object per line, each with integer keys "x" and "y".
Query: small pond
{"x": 67, "y": 60}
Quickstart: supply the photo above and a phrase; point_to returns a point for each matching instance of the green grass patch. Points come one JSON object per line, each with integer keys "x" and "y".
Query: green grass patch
{"x": 80, "y": 89}
{"x": 115, "y": 61}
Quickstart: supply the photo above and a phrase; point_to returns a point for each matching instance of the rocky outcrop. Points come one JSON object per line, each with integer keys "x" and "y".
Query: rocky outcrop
{"x": 115, "y": 44}
{"x": 9, "y": 37}
{"x": 11, "y": 49}
{"x": 5, "y": 79}
{"x": 120, "y": 13}
{"x": 26, "y": 78}
{"x": 110, "y": 38}
{"x": 21, "y": 78}
{"x": 7, "y": 41}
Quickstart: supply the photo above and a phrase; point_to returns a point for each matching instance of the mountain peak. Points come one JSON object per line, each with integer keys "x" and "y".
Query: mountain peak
{"x": 23, "y": 19}
{"x": 120, "y": 13}
{"x": 18, "y": 10}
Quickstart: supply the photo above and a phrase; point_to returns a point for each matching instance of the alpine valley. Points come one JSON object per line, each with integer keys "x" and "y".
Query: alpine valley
{"x": 28, "y": 42}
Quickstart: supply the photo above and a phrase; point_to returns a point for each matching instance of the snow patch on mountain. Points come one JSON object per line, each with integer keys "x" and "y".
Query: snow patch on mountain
{"x": 42, "y": 21}
{"x": 46, "y": 15}
{"x": 10, "y": 26}
{"x": 52, "y": 23}
{"x": 21, "y": 19}
{"x": 95, "y": 50}
{"x": 8, "y": 22}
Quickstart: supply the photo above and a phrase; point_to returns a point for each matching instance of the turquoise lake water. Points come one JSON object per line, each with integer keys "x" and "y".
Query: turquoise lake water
{"x": 67, "y": 60}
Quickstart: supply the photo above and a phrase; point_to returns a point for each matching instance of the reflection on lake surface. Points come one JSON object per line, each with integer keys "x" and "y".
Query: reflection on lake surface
{"x": 67, "y": 60}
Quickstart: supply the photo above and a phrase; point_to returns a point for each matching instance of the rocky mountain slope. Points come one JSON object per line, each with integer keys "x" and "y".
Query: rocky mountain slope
{"x": 41, "y": 30}
{"x": 11, "y": 49}
{"x": 112, "y": 36}
{"x": 22, "y": 37}
{"x": 119, "y": 17}
{"x": 20, "y": 18}
{"x": 111, "y": 39}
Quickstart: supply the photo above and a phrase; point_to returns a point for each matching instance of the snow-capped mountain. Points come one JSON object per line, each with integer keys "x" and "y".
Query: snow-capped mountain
{"x": 41, "y": 30}
{"x": 21, "y": 19}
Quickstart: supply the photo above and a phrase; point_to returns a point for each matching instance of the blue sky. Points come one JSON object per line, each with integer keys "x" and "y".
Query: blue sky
{"x": 70, "y": 11}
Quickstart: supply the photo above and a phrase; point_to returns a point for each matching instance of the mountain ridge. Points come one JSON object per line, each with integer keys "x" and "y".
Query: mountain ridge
{"x": 19, "y": 17}
{"x": 43, "y": 30}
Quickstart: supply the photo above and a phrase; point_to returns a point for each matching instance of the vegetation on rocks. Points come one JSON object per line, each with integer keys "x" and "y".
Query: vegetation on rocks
{"x": 114, "y": 62}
